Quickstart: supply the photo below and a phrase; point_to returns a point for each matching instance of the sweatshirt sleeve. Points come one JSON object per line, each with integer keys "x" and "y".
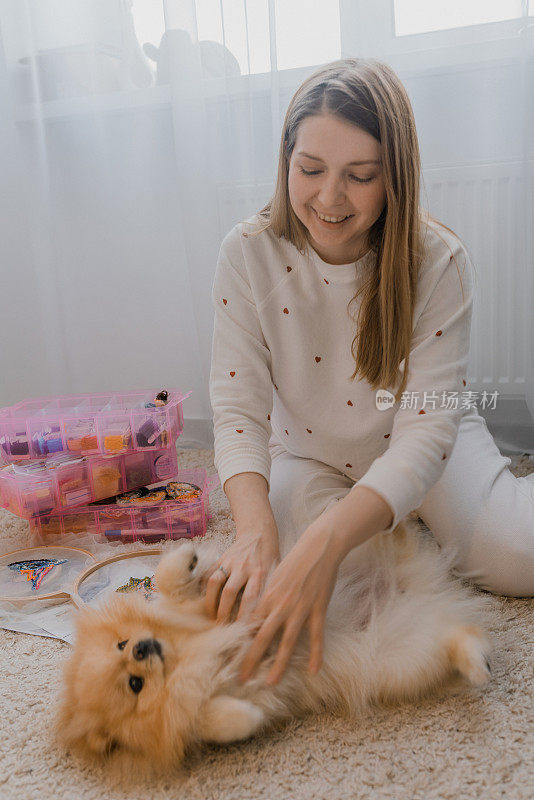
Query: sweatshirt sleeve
{"x": 425, "y": 426}
{"x": 240, "y": 385}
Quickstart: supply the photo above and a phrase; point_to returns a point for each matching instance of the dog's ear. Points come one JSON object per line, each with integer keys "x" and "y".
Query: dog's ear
{"x": 96, "y": 742}
{"x": 77, "y": 732}
{"x": 102, "y": 744}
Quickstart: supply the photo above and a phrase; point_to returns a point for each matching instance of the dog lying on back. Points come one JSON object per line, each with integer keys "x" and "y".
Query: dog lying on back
{"x": 147, "y": 680}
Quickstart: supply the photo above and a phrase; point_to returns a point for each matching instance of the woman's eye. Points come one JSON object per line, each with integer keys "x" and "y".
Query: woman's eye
{"x": 360, "y": 180}
{"x": 352, "y": 177}
{"x": 122, "y": 645}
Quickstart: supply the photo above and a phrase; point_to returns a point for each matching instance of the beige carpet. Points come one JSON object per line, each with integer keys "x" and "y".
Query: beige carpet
{"x": 452, "y": 745}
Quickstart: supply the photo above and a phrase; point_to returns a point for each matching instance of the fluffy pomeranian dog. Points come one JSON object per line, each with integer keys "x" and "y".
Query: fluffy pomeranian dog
{"x": 147, "y": 680}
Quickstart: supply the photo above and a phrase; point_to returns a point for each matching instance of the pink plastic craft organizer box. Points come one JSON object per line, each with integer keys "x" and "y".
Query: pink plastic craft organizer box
{"x": 31, "y": 488}
{"x": 146, "y": 518}
{"x": 90, "y": 424}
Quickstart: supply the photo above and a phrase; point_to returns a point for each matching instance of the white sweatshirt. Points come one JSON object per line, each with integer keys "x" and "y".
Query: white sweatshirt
{"x": 281, "y": 363}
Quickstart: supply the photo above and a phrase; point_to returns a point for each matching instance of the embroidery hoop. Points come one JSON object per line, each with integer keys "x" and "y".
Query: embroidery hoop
{"x": 23, "y": 555}
{"x": 75, "y": 596}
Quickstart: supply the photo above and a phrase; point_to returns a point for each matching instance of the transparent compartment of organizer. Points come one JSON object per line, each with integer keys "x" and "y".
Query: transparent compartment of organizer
{"x": 91, "y": 424}
{"x": 145, "y": 522}
{"x": 33, "y": 488}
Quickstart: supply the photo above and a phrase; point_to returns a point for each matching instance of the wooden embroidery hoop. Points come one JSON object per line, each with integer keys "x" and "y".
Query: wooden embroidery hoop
{"x": 59, "y": 595}
{"x": 74, "y": 595}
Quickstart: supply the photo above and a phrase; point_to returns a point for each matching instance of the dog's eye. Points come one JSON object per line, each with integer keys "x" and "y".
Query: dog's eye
{"x": 122, "y": 645}
{"x": 135, "y": 683}
{"x": 193, "y": 563}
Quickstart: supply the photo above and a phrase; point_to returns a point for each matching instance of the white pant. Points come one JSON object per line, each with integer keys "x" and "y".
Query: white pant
{"x": 477, "y": 506}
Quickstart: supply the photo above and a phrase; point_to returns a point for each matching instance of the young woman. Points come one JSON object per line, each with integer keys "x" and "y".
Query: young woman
{"x": 338, "y": 377}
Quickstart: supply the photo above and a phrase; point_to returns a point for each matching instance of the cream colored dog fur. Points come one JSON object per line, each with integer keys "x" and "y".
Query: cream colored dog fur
{"x": 148, "y": 680}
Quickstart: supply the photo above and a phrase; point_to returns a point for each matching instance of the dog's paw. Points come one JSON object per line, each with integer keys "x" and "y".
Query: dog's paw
{"x": 176, "y": 574}
{"x": 468, "y": 650}
{"x": 228, "y": 719}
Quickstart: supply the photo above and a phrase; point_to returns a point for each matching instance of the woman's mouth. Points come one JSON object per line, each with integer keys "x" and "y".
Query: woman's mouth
{"x": 331, "y": 222}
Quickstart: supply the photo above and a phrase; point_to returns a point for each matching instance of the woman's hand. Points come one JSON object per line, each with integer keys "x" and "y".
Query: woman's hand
{"x": 247, "y": 563}
{"x": 297, "y": 594}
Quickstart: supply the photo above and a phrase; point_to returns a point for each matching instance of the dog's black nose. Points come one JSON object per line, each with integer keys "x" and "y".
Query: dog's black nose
{"x": 145, "y": 648}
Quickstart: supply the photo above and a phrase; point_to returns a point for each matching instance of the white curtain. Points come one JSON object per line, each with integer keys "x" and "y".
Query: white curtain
{"x": 135, "y": 133}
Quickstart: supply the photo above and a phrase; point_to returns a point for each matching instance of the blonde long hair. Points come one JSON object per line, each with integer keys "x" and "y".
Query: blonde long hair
{"x": 368, "y": 94}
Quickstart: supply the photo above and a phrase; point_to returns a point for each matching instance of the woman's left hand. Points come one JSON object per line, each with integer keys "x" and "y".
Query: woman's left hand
{"x": 297, "y": 594}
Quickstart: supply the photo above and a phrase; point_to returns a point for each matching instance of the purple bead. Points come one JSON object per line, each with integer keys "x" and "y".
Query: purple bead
{"x": 146, "y": 432}
{"x": 19, "y": 448}
{"x": 54, "y": 445}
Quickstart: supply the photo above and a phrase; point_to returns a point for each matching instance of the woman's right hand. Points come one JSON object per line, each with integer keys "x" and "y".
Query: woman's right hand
{"x": 248, "y": 563}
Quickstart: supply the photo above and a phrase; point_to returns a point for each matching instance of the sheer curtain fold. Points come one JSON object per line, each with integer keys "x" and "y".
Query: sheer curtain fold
{"x": 135, "y": 133}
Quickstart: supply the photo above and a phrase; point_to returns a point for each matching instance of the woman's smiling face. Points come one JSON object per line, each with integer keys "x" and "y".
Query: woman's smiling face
{"x": 331, "y": 184}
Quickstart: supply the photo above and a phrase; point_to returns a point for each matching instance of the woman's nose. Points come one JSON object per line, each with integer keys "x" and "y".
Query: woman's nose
{"x": 331, "y": 193}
